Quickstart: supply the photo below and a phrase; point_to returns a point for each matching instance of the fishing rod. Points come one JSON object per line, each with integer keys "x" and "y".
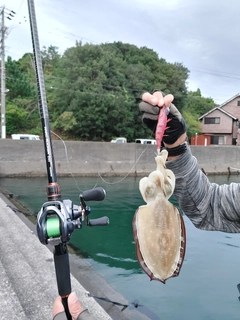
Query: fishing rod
{"x": 58, "y": 218}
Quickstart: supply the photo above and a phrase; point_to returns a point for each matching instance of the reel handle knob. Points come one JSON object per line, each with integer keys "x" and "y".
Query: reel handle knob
{"x": 96, "y": 194}
{"x": 103, "y": 221}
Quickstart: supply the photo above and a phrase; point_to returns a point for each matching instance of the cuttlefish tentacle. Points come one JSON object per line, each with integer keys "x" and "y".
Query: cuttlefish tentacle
{"x": 158, "y": 226}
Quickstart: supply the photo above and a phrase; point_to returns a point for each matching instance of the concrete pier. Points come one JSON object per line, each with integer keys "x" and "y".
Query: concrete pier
{"x": 28, "y": 280}
{"x": 87, "y": 158}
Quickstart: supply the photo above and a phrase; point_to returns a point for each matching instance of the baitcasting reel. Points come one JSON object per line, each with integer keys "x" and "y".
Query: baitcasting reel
{"x": 58, "y": 219}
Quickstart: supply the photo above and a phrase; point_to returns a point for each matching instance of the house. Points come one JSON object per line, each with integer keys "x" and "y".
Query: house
{"x": 221, "y": 124}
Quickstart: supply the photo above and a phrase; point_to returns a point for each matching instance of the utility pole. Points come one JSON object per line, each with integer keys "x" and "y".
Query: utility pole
{"x": 10, "y": 15}
{"x": 3, "y": 89}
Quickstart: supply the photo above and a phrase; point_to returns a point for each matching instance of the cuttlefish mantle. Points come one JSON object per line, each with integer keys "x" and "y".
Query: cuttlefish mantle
{"x": 158, "y": 226}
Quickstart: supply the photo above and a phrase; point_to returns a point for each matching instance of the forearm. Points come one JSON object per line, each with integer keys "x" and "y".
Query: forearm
{"x": 208, "y": 205}
{"x": 84, "y": 315}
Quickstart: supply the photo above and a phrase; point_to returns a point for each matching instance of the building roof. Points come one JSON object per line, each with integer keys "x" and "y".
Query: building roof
{"x": 229, "y": 100}
{"x": 221, "y": 110}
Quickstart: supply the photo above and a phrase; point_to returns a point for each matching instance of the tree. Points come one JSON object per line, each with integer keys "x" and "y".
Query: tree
{"x": 198, "y": 105}
{"x": 102, "y": 84}
{"x": 193, "y": 125}
{"x": 50, "y": 59}
{"x": 15, "y": 119}
{"x": 27, "y": 66}
{"x": 93, "y": 91}
{"x": 65, "y": 122}
{"x": 195, "y": 106}
{"x": 17, "y": 81}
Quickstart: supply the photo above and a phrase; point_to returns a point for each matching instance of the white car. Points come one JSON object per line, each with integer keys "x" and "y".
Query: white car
{"x": 25, "y": 137}
{"x": 119, "y": 140}
{"x": 145, "y": 141}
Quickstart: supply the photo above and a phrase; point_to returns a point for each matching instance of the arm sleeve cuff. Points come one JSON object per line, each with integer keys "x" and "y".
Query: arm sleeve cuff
{"x": 85, "y": 315}
{"x": 60, "y": 316}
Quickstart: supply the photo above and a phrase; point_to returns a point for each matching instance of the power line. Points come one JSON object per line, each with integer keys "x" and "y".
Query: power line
{"x": 13, "y": 20}
{"x": 218, "y": 73}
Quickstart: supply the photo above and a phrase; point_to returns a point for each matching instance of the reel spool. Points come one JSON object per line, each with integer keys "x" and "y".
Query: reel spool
{"x": 54, "y": 222}
{"x": 57, "y": 219}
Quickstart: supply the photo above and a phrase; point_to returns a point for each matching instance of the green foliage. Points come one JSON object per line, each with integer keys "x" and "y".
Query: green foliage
{"x": 102, "y": 85}
{"x": 65, "y": 122}
{"x": 27, "y": 66}
{"x": 15, "y": 119}
{"x": 93, "y": 91}
{"x": 192, "y": 123}
{"x": 50, "y": 59}
{"x": 195, "y": 106}
{"x": 198, "y": 105}
{"x": 17, "y": 81}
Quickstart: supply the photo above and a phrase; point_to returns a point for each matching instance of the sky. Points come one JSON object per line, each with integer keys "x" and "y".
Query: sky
{"x": 203, "y": 35}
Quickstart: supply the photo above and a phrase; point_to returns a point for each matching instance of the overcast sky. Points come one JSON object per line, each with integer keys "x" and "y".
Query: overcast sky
{"x": 203, "y": 35}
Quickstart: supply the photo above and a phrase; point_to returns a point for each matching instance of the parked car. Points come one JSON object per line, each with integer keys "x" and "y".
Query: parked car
{"x": 25, "y": 136}
{"x": 145, "y": 141}
{"x": 119, "y": 140}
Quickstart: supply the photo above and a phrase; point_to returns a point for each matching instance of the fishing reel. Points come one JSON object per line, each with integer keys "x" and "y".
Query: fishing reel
{"x": 58, "y": 219}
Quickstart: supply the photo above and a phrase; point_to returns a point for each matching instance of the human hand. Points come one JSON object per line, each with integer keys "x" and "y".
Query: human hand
{"x": 150, "y": 107}
{"x": 74, "y": 306}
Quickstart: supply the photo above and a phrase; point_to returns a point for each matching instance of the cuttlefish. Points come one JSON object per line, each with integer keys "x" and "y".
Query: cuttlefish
{"x": 158, "y": 226}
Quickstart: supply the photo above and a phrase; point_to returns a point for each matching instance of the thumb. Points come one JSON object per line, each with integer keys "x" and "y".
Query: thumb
{"x": 57, "y": 306}
{"x": 74, "y": 305}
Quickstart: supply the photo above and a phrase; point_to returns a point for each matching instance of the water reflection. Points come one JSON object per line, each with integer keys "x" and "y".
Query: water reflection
{"x": 207, "y": 285}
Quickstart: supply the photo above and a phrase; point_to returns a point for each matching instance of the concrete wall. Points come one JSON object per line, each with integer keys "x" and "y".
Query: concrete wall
{"x": 27, "y": 158}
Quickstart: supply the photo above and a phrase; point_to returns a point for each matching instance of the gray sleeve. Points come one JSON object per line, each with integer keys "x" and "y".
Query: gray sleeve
{"x": 60, "y": 316}
{"x": 208, "y": 205}
{"x": 85, "y": 315}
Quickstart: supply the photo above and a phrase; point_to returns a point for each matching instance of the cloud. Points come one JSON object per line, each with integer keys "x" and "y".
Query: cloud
{"x": 200, "y": 34}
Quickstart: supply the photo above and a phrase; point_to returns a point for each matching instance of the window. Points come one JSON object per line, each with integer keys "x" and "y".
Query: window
{"x": 238, "y": 103}
{"x": 217, "y": 139}
{"x": 210, "y": 120}
{"x": 221, "y": 140}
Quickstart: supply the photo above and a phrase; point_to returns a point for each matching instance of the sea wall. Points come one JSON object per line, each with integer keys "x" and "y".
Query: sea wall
{"x": 81, "y": 158}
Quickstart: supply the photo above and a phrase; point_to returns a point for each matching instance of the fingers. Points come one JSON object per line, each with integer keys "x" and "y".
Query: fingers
{"x": 74, "y": 305}
{"x": 57, "y": 306}
{"x": 159, "y": 96}
{"x": 157, "y": 99}
{"x": 149, "y": 98}
{"x": 167, "y": 100}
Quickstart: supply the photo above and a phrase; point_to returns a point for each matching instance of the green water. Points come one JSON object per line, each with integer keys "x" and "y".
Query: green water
{"x": 207, "y": 285}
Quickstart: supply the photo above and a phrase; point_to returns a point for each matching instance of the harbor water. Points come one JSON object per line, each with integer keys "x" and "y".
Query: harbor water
{"x": 207, "y": 285}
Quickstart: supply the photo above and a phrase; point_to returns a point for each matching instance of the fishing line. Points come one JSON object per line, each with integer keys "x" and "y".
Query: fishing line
{"x": 135, "y": 304}
{"x": 67, "y": 159}
{"x": 119, "y": 181}
{"x": 99, "y": 175}
{"x": 68, "y": 163}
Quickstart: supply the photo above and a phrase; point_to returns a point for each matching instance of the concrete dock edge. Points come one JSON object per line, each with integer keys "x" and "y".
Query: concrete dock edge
{"x": 27, "y": 275}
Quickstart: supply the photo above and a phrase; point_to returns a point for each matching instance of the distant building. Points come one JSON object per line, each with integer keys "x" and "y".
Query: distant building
{"x": 221, "y": 125}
